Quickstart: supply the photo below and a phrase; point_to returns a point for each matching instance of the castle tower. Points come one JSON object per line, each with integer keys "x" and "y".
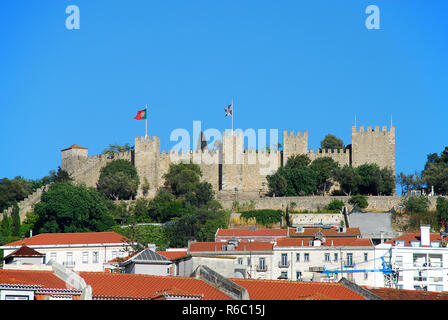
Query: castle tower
{"x": 374, "y": 146}
{"x": 72, "y": 157}
{"x": 294, "y": 144}
{"x": 232, "y": 160}
{"x": 146, "y": 160}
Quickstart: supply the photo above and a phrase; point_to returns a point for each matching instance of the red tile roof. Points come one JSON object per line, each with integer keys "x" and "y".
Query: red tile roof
{"x": 139, "y": 286}
{"x": 71, "y": 238}
{"x": 296, "y": 290}
{"x": 25, "y": 251}
{"x": 173, "y": 254}
{"x": 46, "y": 279}
{"x": 74, "y": 146}
{"x": 402, "y": 294}
{"x": 407, "y": 237}
{"x": 335, "y": 242}
{"x": 175, "y": 292}
{"x": 251, "y": 233}
{"x": 333, "y": 232}
{"x": 242, "y": 246}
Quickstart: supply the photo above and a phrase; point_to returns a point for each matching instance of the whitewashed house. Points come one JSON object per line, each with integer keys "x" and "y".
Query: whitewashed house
{"x": 419, "y": 261}
{"x": 87, "y": 251}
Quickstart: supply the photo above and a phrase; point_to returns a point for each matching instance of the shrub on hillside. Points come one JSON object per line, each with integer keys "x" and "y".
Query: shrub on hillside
{"x": 264, "y": 217}
{"x": 359, "y": 200}
{"x": 335, "y": 205}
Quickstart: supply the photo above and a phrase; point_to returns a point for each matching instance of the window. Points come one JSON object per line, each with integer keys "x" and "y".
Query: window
{"x": 262, "y": 264}
{"x": 327, "y": 257}
{"x": 248, "y": 261}
{"x": 53, "y": 256}
{"x": 298, "y": 275}
{"x": 85, "y": 257}
{"x": 366, "y": 275}
{"x": 349, "y": 259}
{"x": 284, "y": 259}
{"x": 240, "y": 260}
{"x": 366, "y": 256}
{"x": 335, "y": 257}
{"x": 95, "y": 257}
{"x": 69, "y": 257}
{"x": 298, "y": 257}
{"x": 114, "y": 254}
{"x": 306, "y": 257}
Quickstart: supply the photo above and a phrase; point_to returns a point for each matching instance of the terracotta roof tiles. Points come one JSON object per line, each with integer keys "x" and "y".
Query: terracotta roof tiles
{"x": 138, "y": 286}
{"x": 47, "y": 279}
{"x": 403, "y": 294}
{"x": 242, "y": 246}
{"x": 71, "y": 238}
{"x": 296, "y": 290}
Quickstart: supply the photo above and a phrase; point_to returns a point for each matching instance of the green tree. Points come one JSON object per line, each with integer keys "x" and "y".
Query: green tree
{"x": 277, "y": 184}
{"x": 60, "y": 176}
{"x": 6, "y": 227}
{"x": 69, "y": 208}
{"x": 331, "y": 142}
{"x": 435, "y": 173}
{"x": 15, "y": 217}
{"x": 335, "y": 205}
{"x": 298, "y": 161}
{"x": 359, "y": 200}
{"x": 442, "y": 210}
{"x": 348, "y": 179}
{"x": 118, "y": 180}
{"x": 145, "y": 186}
{"x": 416, "y": 204}
{"x": 182, "y": 178}
{"x": 116, "y": 148}
{"x": 409, "y": 181}
{"x": 14, "y": 190}
{"x": 325, "y": 169}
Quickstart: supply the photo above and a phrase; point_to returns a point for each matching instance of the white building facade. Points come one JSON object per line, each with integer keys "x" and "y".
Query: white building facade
{"x": 78, "y": 251}
{"x": 419, "y": 261}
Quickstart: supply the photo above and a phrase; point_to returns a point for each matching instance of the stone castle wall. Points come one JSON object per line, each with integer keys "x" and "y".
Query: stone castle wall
{"x": 231, "y": 167}
{"x": 26, "y": 205}
{"x": 310, "y": 203}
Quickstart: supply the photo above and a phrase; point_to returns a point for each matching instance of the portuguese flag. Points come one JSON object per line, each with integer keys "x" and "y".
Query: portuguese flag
{"x": 141, "y": 115}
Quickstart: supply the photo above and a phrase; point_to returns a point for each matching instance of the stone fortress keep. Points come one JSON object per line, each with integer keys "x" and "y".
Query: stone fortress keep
{"x": 231, "y": 167}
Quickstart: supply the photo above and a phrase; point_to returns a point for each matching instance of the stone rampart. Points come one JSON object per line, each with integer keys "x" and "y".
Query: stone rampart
{"x": 312, "y": 203}
{"x": 26, "y": 205}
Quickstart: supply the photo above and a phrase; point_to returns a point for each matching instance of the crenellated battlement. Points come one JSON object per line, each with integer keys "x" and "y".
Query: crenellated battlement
{"x": 295, "y": 133}
{"x": 369, "y": 129}
{"x": 328, "y": 151}
{"x": 231, "y": 166}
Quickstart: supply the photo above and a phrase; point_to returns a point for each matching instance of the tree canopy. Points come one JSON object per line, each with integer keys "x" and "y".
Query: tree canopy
{"x": 69, "y": 208}
{"x": 332, "y": 142}
{"x": 118, "y": 180}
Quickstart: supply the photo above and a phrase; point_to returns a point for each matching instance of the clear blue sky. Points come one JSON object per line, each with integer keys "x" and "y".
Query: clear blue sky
{"x": 291, "y": 65}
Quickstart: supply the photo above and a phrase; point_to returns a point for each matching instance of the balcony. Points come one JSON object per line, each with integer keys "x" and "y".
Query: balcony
{"x": 262, "y": 268}
{"x": 283, "y": 264}
{"x": 348, "y": 264}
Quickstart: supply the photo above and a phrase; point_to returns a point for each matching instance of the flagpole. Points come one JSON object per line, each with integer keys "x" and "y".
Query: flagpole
{"x": 233, "y": 110}
{"x": 146, "y": 115}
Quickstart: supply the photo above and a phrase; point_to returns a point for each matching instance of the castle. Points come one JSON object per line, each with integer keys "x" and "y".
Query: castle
{"x": 230, "y": 167}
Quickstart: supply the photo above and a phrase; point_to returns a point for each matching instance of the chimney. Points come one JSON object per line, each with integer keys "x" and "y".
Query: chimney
{"x": 31, "y": 233}
{"x": 424, "y": 235}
